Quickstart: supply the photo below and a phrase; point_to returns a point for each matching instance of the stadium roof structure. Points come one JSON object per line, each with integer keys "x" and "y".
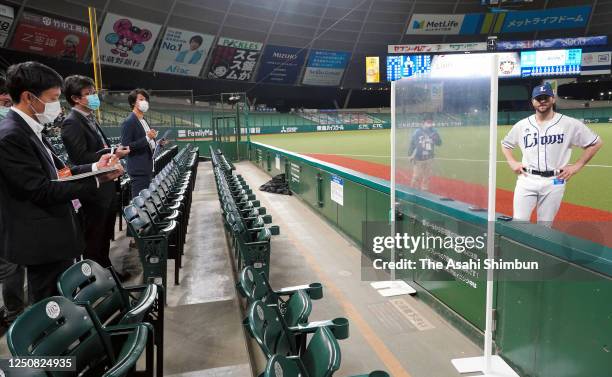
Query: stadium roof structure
{"x": 359, "y": 27}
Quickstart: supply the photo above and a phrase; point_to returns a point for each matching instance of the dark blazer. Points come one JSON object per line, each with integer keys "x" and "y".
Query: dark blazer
{"x": 140, "y": 159}
{"x": 38, "y": 224}
{"x": 82, "y": 143}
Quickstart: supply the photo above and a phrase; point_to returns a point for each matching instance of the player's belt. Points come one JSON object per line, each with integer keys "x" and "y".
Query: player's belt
{"x": 545, "y": 174}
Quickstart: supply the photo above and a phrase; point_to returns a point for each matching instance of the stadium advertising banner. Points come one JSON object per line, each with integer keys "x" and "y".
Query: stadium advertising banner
{"x": 596, "y": 63}
{"x": 325, "y": 68}
{"x": 234, "y": 59}
{"x": 555, "y": 18}
{"x": 126, "y": 41}
{"x": 281, "y": 64}
{"x": 445, "y": 23}
{"x": 182, "y": 52}
{"x": 7, "y": 15}
{"x": 439, "y": 47}
{"x": 553, "y": 43}
{"x": 50, "y": 36}
{"x": 372, "y": 69}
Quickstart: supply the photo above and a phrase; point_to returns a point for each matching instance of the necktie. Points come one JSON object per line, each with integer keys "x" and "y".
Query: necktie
{"x": 94, "y": 125}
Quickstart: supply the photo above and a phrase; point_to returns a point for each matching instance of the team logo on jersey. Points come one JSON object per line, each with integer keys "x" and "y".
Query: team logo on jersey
{"x": 532, "y": 140}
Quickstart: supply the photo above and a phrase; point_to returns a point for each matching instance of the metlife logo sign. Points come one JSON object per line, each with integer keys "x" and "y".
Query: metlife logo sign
{"x": 435, "y": 24}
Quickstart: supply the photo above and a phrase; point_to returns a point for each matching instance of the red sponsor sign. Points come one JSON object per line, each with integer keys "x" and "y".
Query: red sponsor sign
{"x": 50, "y": 36}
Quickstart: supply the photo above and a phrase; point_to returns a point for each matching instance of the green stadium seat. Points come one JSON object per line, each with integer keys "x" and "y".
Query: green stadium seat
{"x": 152, "y": 243}
{"x": 274, "y": 333}
{"x": 255, "y": 286}
{"x": 321, "y": 359}
{"x": 87, "y": 281}
{"x": 58, "y": 327}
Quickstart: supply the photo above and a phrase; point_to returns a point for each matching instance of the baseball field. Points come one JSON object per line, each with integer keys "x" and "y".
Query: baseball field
{"x": 460, "y": 168}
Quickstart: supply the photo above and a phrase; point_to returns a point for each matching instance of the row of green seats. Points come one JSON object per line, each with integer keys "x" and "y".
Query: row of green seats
{"x": 159, "y": 216}
{"x": 243, "y": 218}
{"x": 99, "y": 326}
{"x": 276, "y": 319}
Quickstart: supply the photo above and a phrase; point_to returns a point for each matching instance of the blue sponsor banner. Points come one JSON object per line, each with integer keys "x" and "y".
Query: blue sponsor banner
{"x": 553, "y": 43}
{"x": 325, "y": 68}
{"x": 328, "y": 59}
{"x": 281, "y": 64}
{"x": 555, "y": 18}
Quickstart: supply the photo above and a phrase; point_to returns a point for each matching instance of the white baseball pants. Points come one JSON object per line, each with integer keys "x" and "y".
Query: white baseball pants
{"x": 533, "y": 190}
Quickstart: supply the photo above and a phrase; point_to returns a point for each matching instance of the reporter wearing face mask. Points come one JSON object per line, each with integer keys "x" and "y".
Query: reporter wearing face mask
{"x": 5, "y": 99}
{"x": 12, "y": 276}
{"x": 85, "y": 143}
{"x": 140, "y": 138}
{"x": 38, "y": 224}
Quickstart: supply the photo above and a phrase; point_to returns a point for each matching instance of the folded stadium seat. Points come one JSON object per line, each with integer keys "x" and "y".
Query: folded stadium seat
{"x": 152, "y": 243}
{"x": 162, "y": 207}
{"x": 251, "y": 246}
{"x": 274, "y": 334}
{"x": 161, "y": 220}
{"x": 57, "y": 327}
{"x": 114, "y": 304}
{"x": 321, "y": 359}
{"x": 255, "y": 286}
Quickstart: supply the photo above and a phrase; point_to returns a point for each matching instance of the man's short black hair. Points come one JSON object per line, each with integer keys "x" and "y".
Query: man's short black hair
{"x": 74, "y": 85}
{"x": 197, "y": 38}
{"x": 134, "y": 93}
{"x": 3, "y": 89}
{"x": 33, "y": 77}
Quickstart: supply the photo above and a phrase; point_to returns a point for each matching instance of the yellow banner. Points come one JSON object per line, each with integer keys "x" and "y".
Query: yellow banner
{"x": 372, "y": 69}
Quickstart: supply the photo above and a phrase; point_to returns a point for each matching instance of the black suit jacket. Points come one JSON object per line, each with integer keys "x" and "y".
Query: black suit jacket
{"x": 82, "y": 144}
{"x": 140, "y": 159}
{"x": 38, "y": 224}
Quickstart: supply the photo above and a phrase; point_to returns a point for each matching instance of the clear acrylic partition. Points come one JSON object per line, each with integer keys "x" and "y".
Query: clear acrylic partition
{"x": 440, "y": 153}
{"x": 442, "y": 130}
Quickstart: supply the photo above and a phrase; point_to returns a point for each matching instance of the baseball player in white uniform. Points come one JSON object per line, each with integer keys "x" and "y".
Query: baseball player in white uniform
{"x": 545, "y": 140}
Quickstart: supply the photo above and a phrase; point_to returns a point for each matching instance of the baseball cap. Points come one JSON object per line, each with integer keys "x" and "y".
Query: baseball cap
{"x": 542, "y": 90}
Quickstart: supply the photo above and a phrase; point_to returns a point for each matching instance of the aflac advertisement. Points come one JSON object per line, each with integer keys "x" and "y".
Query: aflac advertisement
{"x": 182, "y": 52}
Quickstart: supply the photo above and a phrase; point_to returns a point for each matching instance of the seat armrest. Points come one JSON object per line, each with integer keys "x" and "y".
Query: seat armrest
{"x": 338, "y": 326}
{"x": 314, "y": 290}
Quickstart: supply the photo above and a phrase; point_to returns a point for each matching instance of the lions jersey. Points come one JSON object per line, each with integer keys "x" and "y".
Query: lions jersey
{"x": 547, "y": 147}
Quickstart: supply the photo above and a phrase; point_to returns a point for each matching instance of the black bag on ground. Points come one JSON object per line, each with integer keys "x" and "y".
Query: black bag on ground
{"x": 277, "y": 185}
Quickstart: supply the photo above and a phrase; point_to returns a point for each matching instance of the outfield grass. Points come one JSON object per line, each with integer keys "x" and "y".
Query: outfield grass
{"x": 458, "y": 157}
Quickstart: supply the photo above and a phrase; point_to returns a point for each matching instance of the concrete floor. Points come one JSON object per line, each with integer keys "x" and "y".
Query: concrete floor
{"x": 383, "y": 331}
{"x": 204, "y": 336}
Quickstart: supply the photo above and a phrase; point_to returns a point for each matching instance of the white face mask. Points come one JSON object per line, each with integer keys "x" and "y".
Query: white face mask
{"x": 51, "y": 112}
{"x": 143, "y": 106}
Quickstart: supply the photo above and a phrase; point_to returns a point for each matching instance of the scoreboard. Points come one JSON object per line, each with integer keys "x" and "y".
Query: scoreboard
{"x": 402, "y": 66}
{"x": 551, "y": 62}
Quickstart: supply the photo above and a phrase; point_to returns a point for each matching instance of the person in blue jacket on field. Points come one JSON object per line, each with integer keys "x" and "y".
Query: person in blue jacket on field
{"x": 421, "y": 153}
